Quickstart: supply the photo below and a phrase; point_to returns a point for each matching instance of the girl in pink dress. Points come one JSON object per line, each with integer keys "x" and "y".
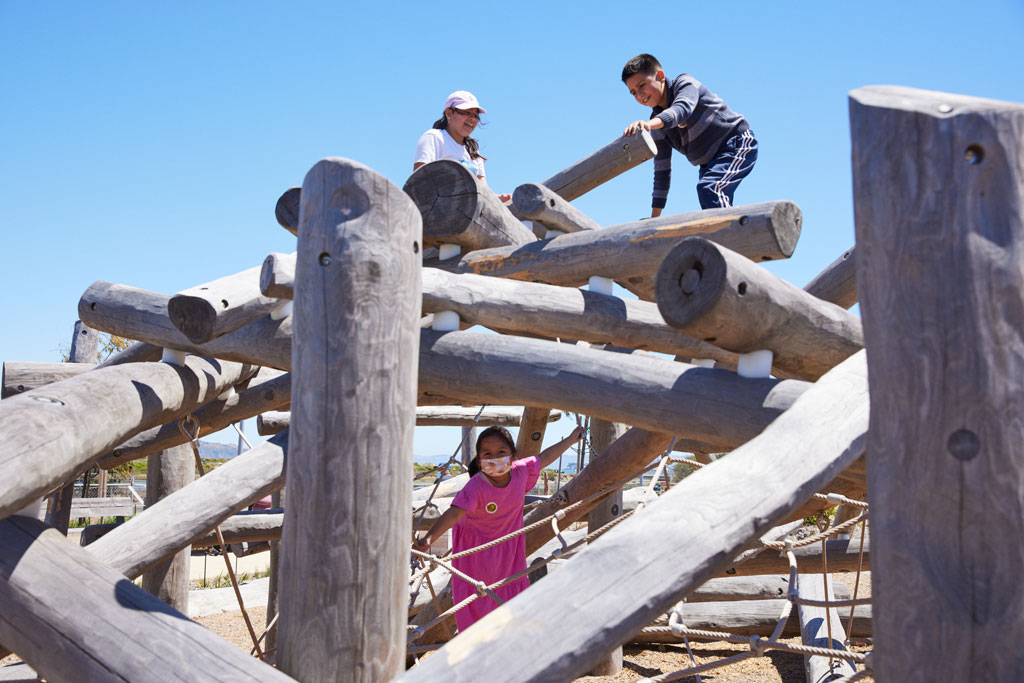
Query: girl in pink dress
{"x": 490, "y": 506}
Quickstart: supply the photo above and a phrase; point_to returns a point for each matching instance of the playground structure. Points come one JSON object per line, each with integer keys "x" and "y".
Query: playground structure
{"x": 364, "y": 321}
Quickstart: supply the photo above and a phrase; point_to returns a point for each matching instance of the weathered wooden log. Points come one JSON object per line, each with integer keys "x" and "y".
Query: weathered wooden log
{"x": 167, "y": 472}
{"x": 837, "y": 284}
{"x": 938, "y": 185}
{"x": 277, "y": 500}
{"x": 138, "y": 352}
{"x": 22, "y": 376}
{"x": 277, "y": 276}
{"x": 712, "y": 406}
{"x": 732, "y": 588}
{"x": 841, "y": 555}
{"x": 535, "y": 202}
{"x": 459, "y": 209}
{"x": 822, "y": 627}
{"x": 534, "y": 422}
{"x": 286, "y": 211}
{"x": 248, "y": 526}
{"x": 617, "y": 157}
{"x": 715, "y": 294}
{"x": 747, "y": 618}
{"x": 632, "y": 252}
{"x": 53, "y": 433}
{"x": 70, "y": 617}
{"x": 141, "y": 314}
{"x": 272, "y": 422}
{"x": 211, "y": 310}
{"x": 355, "y": 373}
{"x": 678, "y": 542}
{"x": 188, "y": 514}
{"x": 267, "y": 390}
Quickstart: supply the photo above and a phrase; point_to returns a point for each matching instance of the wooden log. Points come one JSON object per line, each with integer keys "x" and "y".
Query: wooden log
{"x": 187, "y": 514}
{"x": 277, "y": 276}
{"x": 122, "y": 506}
{"x": 53, "y": 433}
{"x": 22, "y": 376}
{"x": 141, "y": 314}
{"x": 712, "y": 406}
{"x": 684, "y": 538}
{"x": 211, "y": 310}
{"x": 457, "y": 208}
{"x": 732, "y": 588}
{"x": 837, "y": 284}
{"x": 138, "y": 352}
{"x": 167, "y": 472}
{"x": 632, "y": 252}
{"x": 272, "y": 422}
{"x": 277, "y": 500}
{"x": 248, "y": 526}
{"x": 938, "y": 185}
{"x": 355, "y": 371}
{"x": 286, "y": 211}
{"x": 534, "y": 422}
{"x": 266, "y": 390}
{"x": 822, "y": 627}
{"x": 841, "y": 555}
{"x": 70, "y": 617}
{"x": 615, "y": 158}
{"x": 535, "y": 202}
{"x": 714, "y": 294}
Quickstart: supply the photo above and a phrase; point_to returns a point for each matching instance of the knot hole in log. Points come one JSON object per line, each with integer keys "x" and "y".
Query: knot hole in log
{"x": 348, "y": 202}
{"x": 963, "y": 444}
{"x": 974, "y": 154}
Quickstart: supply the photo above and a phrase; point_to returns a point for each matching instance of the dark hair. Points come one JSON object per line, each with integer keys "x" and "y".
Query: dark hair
{"x": 503, "y": 434}
{"x": 471, "y": 145}
{"x": 641, "y": 64}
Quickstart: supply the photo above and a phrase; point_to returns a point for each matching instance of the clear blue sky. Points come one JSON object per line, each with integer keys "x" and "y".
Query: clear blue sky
{"x": 147, "y": 143}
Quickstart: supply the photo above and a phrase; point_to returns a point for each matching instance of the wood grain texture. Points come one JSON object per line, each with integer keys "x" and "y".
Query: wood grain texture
{"x": 189, "y": 513}
{"x": 354, "y": 368}
{"x": 714, "y": 294}
{"x": 74, "y": 619}
{"x": 841, "y": 555}
{"x": 22, "y": 376}
{"x": 715, "y": 407}
{"x": 822, "y": 627}
{"x": 534, "y": 422}
{"x": 837, "y": 284}
{"x": 53, "y": 433}
{"x": 457, "y": 208}
{"x": 140, "y": 314}
{"x": 266, "y": 390}
{"x": 631, "y": 252}
{"x": 213, "y": 309}
{"x": 277, "y": 275}
{"x": 534, "y": 202}
{"x": 678, "y": 542}
{"x": 167, "y": 472}
{"x": 615, "y": 158}
{"x": 938, "y": 185}
{"x": 286, "y": 210}
{"x": 248, "y": 526}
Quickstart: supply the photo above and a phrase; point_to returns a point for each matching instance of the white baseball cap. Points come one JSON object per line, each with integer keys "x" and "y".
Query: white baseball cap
{"x": 463, "y": 99}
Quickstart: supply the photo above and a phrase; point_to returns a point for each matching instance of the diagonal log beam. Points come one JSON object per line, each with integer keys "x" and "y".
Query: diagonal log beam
{"x": 837, "y": 284}
{"x": 211, "y": 310}
{"x": 673, "y": 546}
{"x": 615, "y": 158}
{"x": 534, "y": 202}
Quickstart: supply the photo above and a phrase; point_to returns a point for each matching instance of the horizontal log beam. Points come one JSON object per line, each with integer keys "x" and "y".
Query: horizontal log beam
{"x": 273, "y": 422}
{"x": 631, "y": 252}
{"x": 277, "y": 276}
{"x": 678, "y": 542}
{"x": 22, "y": 376}
{"x": 713, "y": 293}
{"x": 245, "y": 527}
{"x": 457, "y": 208}
{"x": 53, "y": 433}
{"x": 286, "y": 210}
{"x": 211, "y": 310}
{"x": 268, "y": 390}
{"x": 841, "y": 556}
{"x": 615, "y": 158}
{"x": 74, "y": 619}
{"x": 837, "y": 284}
{"x": 533, "y": 202}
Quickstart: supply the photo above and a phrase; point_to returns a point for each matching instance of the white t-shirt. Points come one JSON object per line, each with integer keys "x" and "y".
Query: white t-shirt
{"x": 438, "y": 144}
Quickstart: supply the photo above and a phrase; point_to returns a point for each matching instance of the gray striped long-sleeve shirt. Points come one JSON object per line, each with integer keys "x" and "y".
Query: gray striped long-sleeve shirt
{"x": 697, "y": 122}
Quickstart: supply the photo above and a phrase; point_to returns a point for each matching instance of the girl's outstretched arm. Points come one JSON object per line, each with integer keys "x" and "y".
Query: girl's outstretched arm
{"x": 551, "y": 453}
{"x": 446, "y": 521}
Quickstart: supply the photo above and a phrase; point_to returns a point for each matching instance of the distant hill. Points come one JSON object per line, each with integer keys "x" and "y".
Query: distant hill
{"x": 221, "y": 451}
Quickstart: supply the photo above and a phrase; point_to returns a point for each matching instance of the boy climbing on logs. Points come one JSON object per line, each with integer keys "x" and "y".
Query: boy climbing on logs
{"x": 697, "y": 123}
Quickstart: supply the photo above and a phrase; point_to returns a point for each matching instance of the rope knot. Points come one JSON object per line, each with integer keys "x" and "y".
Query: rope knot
{"x": 757, "y": 646}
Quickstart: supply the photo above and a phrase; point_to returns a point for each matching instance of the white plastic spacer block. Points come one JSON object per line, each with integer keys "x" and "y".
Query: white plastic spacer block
{"x": 755, "y": 364}
{"x": 447, "y": 251}
{"x": 228, "y": 394}
{"x": 582, "y": 344}
{"x": 446, "y": 321}
{"x": 553, "y": 233}
{"x": 703, "y": 362}
{"x": 601, "y": 285}
{"x": 283, "y": 311}
{"x": 173, "y": 356}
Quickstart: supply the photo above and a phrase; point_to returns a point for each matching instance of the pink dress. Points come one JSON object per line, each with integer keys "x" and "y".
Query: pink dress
{"x": 491, "y": 513}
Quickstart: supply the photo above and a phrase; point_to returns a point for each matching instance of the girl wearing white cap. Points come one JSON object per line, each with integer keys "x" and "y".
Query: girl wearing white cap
{"x": 449, "y": 138}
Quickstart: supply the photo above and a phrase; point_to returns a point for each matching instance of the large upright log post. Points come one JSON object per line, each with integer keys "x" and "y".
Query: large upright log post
{"x": 211, "y": 310}
{"x": 938, "y": 185}
{"x": 617, "y": 157}
{"x": 457, "y": 208}
{"x": 167, "y": 472}
{"x": 534, "y": 202}
{"x": 717, "y": 295}
{"x": 343, "y": 570}
{"x": 530, "y": 439}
